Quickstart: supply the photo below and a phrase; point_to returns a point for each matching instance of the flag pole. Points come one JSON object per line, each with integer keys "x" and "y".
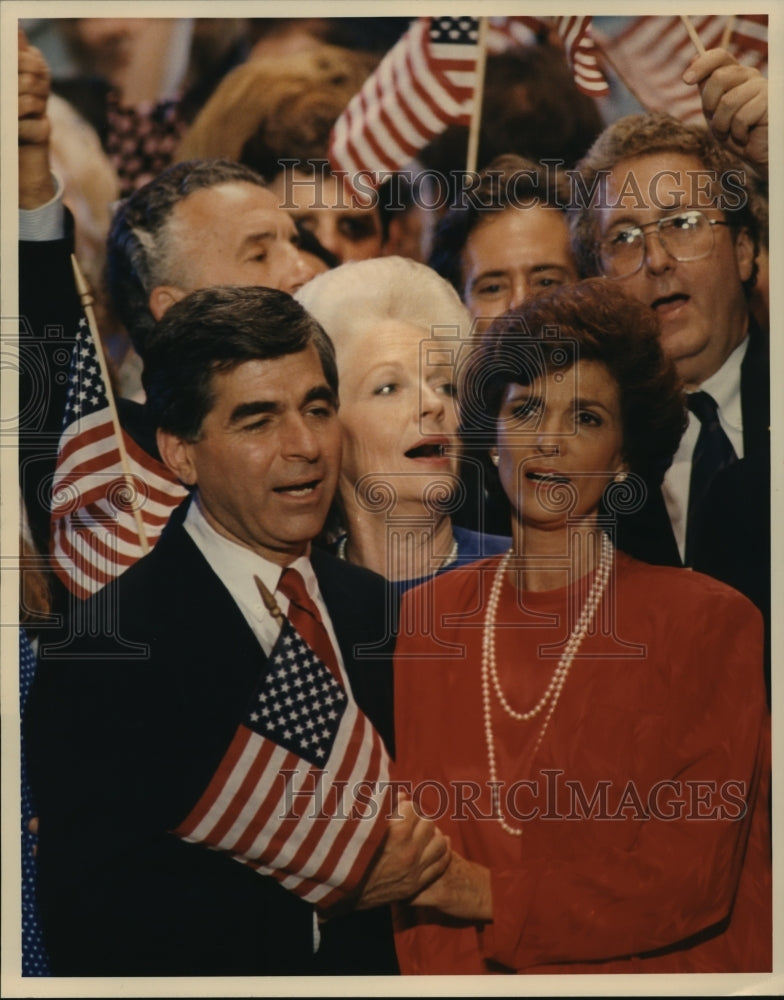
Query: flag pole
{"x": 693, "y": 34}
{"x": 729, "y": 27}
{"x": 479, "y": 87}
{"x": 87, "y": 303}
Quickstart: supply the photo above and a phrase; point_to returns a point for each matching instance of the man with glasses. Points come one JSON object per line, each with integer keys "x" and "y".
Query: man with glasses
{"x": 665, "y": 213}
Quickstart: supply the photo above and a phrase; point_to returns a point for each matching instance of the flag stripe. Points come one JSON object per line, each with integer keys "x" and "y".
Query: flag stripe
{"x": 94, "y": 530}
{"x": 651, "y": 53}
{"x": 274, "y": 809}
{"x": 424, "y": 83}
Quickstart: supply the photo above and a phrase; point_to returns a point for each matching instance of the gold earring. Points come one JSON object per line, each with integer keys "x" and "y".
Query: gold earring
{"x": 620, "y": 477}
{"x": 494, "y": 458}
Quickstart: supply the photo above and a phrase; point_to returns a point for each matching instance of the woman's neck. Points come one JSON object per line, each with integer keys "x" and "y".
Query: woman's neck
{"x": 550, "y": 559}
{"x": 398, "y": 549}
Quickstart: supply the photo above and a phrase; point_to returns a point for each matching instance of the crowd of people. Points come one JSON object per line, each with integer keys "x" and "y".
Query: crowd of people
{"x": 429, "y": 629}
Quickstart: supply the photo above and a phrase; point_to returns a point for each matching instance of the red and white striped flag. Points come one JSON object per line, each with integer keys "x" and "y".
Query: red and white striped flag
{"x": 94, "y": 531}
{"x": 302, "y": 792}
{"x": 651, "y": 53}
{"x": 581, "y": 51}
{"x": 424, "y": 83}
{"x": 573, "y": 33}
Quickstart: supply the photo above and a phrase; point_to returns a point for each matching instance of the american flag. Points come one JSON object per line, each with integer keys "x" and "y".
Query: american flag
{"x": 283, "y": 798}
{"x": 424, "y": 83}
{"x": 650, "y": 54}
{"x": 574, "y": 33}
{"x": 94, "y": 531}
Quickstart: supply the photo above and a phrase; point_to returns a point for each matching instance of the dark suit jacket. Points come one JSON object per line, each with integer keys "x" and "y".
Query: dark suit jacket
{"x": 733, "y": 543}
{"x": 130, "y": 713}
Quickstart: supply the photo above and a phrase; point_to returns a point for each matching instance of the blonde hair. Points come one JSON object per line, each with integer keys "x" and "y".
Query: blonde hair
{"x": 282, "y": 106}
{"x": 354, "y": 297}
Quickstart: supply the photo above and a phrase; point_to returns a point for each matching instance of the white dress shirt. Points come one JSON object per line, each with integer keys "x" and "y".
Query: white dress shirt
{"x": 724, "y": 387}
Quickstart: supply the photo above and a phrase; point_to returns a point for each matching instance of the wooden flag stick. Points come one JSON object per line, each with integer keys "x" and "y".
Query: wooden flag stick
{"x": 87, "y": 302}
{"x": 269, "y": 601}
{"x": 693, "y": 35}
{"x": 729, "y": 27}
{"x": 479, "y": 89}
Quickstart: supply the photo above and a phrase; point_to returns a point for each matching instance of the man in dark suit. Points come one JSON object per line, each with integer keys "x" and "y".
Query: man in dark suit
{"x": 665, "y": 212}
{"x": 136, "y": 705}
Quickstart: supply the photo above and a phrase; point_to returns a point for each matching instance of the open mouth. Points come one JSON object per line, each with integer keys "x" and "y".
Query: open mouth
{"x": 427, "y": 450}
{"x": 546, "y": 477}
{"x": 300, "y": 490}
{"x": 669, "y": 301}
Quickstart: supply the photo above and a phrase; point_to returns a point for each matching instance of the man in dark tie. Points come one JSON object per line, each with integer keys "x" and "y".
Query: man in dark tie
{"x": 664, "y": 211}
{"x": 209, "y": 738}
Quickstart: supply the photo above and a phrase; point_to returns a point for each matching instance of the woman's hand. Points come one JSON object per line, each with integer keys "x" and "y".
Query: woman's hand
{"x": 463, "y": 891}
{"x": 415, "y": 853}
{"x": 735, "y": 104}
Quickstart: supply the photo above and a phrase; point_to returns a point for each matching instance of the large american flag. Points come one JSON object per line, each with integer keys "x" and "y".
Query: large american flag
{"x": 574, "y": 33}
{"x": 283, "y": 798}
{"x": 95, "y": 536}
{"x": 650, "y": 53}
{"x": 424, "y": 83}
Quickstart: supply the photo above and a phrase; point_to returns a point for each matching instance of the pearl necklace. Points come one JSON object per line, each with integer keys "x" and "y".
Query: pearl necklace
{"x": 450, "y": 557}
{"x": 558, "y": 679}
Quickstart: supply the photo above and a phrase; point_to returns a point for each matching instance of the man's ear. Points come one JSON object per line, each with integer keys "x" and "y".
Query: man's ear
{"x": 744, "y": 253}
{"x": 162, "y": 298}
{"x": 177, "y": 455}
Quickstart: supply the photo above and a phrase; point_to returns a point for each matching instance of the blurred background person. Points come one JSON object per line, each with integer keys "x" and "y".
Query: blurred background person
{"x": 509, "y": 241}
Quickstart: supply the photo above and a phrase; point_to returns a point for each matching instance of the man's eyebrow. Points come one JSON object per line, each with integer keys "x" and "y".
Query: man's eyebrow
{"x": 262, "y": 237}
{"x": 320, "y": 392}
{"x": 252, "y": 409}
{"x": 497, "y": 272}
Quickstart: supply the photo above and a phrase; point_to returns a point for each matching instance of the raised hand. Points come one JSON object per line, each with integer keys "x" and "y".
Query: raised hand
{"x": 36, "y": 185}
{"x": 735, "y": 104}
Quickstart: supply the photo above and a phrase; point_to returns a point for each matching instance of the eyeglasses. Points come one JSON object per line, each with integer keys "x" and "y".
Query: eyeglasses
{"x": 687, "y": 236}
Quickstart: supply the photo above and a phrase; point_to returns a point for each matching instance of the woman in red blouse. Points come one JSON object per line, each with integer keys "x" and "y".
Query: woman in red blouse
{"x": 590, "y": 731}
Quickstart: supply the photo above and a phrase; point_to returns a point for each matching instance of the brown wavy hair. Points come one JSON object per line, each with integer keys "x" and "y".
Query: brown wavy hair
{"x": 592, "y": 320}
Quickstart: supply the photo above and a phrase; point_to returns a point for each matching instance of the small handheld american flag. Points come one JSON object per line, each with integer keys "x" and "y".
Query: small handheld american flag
{"x": 301, "y": 792}
{"x": 95, "y": 501}
{"x": 424, "y": 83}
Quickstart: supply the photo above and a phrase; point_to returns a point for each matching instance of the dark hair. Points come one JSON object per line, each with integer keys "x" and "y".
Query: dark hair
{"x": 215, "y": 330}
{"x": 138, "y": 254}
{"x": 593, "y": 320}
{"x": 531, "y": 107}
{"x": 509, "y": 182}
{"x": 649, "y": 135}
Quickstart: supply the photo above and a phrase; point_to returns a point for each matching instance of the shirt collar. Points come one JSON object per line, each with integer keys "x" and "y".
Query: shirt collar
{"x": 724, "y": 386}
{"x": 235, "y": 564}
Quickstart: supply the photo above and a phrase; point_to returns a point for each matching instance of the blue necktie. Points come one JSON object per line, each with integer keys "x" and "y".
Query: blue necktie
{"x": 712, "y": 453}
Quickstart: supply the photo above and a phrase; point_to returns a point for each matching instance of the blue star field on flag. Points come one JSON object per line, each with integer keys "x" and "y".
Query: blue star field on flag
{"x": 298, "y": 703}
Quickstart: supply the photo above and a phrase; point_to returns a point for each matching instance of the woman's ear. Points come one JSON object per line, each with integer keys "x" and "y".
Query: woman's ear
{"x": 621, "y": 472}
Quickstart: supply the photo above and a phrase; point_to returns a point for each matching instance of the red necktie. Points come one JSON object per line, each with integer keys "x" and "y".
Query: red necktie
{"x": 304, "y": 616}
